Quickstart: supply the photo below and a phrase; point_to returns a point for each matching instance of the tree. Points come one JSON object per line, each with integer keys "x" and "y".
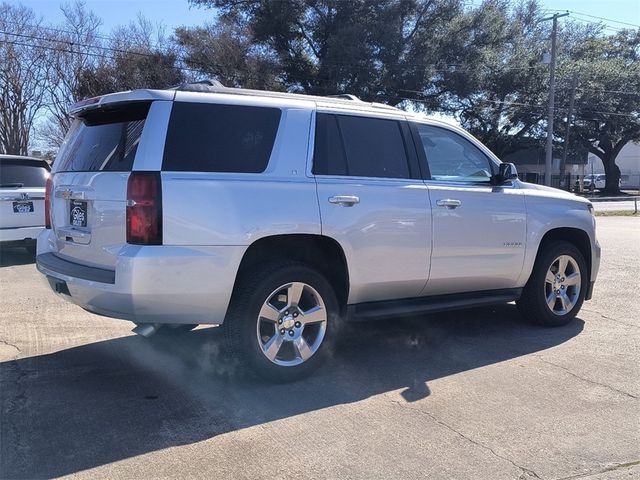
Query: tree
{"x": 499, "y": 88}
{"x": 226, "y": 50}
{"x": 607, "y": 112}
{"x": 77, "y": 48}
{"x": 137, "y": 56}
{"x": 23, "y": 76}
{"x": 379, "y": 50}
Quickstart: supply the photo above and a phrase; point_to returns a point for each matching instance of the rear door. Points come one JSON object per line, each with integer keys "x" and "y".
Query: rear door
{"x": 88, "y": 201}
{"x": 479, "y": 229}
{"x": 22, "y": 183}
{"x": 374, "y": 203}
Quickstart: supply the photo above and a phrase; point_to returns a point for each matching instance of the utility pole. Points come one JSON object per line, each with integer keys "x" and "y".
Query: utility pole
{"x": 572, "y": 100}
{"x": 552, "y": 92}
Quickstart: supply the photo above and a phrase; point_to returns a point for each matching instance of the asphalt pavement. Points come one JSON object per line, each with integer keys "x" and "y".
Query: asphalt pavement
{"x": 477, "y": 394}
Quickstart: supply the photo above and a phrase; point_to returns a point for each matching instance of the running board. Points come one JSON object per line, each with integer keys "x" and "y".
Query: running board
{"x": 436, "y": 303}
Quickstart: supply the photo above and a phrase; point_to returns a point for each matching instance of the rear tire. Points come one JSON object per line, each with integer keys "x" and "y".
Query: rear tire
{"x": 556, "y": 289}
{"x": 281, "y": 321}
{"x": 31, "y": 249}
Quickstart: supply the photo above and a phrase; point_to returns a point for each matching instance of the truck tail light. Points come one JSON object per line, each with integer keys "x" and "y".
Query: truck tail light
{"x": 47, "y": 201}
{"x": 144, "y": 208}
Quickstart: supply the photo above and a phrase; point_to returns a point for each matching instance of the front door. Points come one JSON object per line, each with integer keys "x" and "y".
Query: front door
{"x": 479, "y": 229}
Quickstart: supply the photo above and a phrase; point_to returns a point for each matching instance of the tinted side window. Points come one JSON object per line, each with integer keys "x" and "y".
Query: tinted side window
{"x": 374, "y": 147}
{"x": 359, "y": 147}
{"x": 452, "y": 157}
{"x": 15, "y": 174}
{"x": 104, "y": 139}
{"x": 220, "y": 138}
{"x": 328, "y": 156}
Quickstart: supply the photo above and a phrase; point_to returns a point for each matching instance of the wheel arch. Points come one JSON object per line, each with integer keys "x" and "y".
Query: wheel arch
{"x": 575, "y": 236}
{"x": 319, "y": 251}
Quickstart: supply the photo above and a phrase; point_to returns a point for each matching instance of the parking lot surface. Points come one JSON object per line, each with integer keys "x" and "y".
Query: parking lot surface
{"x": 466, "y": 395}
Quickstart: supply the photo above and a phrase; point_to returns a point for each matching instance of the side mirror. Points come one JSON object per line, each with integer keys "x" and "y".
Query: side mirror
{"x": 506, "y": 172}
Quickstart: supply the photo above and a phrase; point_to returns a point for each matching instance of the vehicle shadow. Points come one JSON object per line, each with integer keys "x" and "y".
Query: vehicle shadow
{"x": 11, "y": 256}
{"x": 95, "y": 404}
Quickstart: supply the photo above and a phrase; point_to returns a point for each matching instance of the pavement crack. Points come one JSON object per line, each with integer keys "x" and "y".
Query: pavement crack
{"x": 4, "y": 342}
{"x": 610, "y": 318}
{"x": 620, "y": 466}
{"x": 526, "y": 473}
{"x": 584, "y": 379}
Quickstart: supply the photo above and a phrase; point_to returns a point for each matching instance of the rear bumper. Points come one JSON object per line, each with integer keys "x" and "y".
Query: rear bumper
{"x": 150, "y": 284}
{"x": 20, "y": 234}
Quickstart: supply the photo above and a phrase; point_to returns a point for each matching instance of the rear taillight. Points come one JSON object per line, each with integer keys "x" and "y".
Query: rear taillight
{"x": 144, "y": 208}
{"x": 47, "y": 201}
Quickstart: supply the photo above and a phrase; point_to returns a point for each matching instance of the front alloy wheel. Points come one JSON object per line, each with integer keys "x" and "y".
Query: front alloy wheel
{"x": 556, "y": 288}
{"x": 562, "y": 285}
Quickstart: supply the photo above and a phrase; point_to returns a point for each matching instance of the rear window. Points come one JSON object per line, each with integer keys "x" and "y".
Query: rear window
{"x": 205, "y": 137}
{"x": 105, "y": 139}
{"x": 16, "y": 174}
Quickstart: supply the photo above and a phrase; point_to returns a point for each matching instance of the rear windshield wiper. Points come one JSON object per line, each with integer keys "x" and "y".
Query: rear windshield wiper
{"x": 11, "y": 185}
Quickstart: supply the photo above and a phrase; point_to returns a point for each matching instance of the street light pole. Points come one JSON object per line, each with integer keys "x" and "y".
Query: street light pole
{"x": 552, "y": 92}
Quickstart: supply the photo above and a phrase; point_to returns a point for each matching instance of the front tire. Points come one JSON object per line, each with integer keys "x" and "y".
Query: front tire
{"x": 556, "y": 289}
{"x": 281, "y": 320}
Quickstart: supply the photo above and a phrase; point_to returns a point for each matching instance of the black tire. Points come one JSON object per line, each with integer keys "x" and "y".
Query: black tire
{"x": 175, "y": 329}
{"x": 240, "y": 327}
{"x": 533, "y": 302}
{"x": 31, "y": 249}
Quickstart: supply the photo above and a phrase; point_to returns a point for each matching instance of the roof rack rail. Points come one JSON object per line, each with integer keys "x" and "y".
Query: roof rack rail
{"x": 205, "y": 85}
{"x": 214, "y": 86}
{"x": 345, "y": 96}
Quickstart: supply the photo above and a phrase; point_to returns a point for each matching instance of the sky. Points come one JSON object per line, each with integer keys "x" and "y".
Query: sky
{"x": 174, "y": 13}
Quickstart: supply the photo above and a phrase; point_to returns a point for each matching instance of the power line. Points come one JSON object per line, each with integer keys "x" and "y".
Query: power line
{"x": 76, "y": 44}
{"x": 604, "y": 19}
{"x": 52, "y": 29}
{"x": 345, "y": 63}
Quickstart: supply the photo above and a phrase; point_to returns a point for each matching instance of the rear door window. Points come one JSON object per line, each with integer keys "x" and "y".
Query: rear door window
{"x": 17, "y": 174}
{"x": 359, "y": 147}
{"x": 206, "y": 137}
{"x": 104, "y": 139}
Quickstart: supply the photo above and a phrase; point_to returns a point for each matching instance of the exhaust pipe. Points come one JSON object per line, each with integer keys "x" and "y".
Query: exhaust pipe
{"x": 145, "y": 329}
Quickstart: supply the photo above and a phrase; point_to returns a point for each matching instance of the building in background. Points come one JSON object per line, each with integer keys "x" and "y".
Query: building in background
{"x": 529, "y": 159}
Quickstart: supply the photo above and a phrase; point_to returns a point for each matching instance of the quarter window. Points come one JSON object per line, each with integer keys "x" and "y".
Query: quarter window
{"x": 452, "y": 157}
{"x": 205, "y": 137}
{"x": 359, "y": 147}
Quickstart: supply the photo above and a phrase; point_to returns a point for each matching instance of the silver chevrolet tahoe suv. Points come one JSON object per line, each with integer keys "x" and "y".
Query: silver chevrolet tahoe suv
{"x": 281, "y": 216}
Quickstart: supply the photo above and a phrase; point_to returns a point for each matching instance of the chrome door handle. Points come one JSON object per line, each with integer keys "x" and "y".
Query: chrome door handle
{"x": 449, "y": 203}
{"x": 344, "y": 200}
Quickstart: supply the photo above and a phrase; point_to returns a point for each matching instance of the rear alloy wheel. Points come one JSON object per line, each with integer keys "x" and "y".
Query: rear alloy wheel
{"x": 280, "y": 320}
{"x": 556, "y": 289}
{"x": 291, "y": 324}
